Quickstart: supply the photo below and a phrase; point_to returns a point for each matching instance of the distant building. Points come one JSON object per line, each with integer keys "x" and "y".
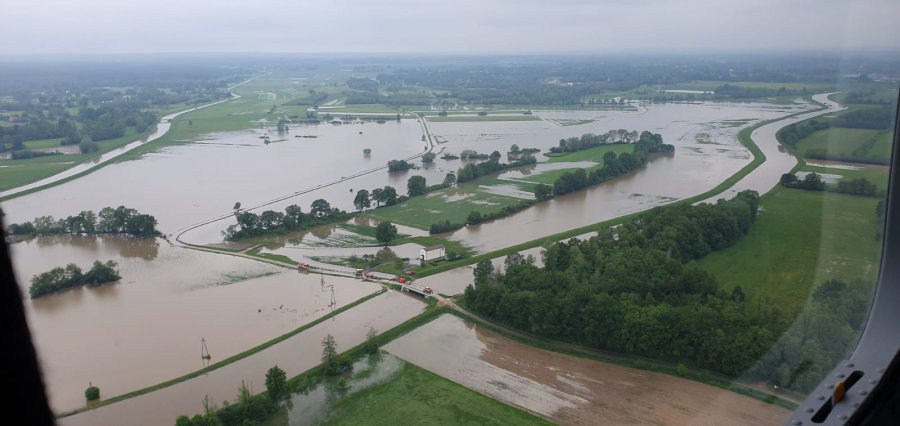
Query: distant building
{"x": 428, "y": 254}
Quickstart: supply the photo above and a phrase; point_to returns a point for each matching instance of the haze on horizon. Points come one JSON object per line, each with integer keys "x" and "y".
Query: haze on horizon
{"x": 457, "y": 26}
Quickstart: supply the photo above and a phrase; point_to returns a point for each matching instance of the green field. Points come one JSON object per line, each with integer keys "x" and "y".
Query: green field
{"x": 875, "y": 176}
{"x": 420, "y": 212}
{"x": 467, "y": 118}
{"x": 849, "y": 144}
{"x": 15, "y": 173}
{"x": 416, "y": 396}
{"x": 593, "y": 154}
{"x": 800, "y": 239}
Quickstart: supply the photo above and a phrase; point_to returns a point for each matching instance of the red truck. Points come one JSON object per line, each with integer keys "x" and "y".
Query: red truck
{"x": 302, "y": 266}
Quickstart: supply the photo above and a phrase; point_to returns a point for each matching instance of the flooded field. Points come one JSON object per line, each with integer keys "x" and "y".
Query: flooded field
{"x": 147, "y": 328}
{"x": 204, "y": 179}
{"x": 570, "y": 390}
{"x": 295, "y": 355}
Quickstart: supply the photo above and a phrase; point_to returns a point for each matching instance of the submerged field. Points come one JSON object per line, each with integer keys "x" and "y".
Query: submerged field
{"x": 570, "y": 390}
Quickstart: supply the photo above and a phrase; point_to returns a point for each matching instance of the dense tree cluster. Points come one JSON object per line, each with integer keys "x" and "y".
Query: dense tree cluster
{"x": 822, "y": 335}
{"x": 250, "y": 224}
{"x": 399, "y": 165}
{"x": 590, "y": 140}
{"x": 59, "y": 279}
{"x": 121, "y": 220}
{"x": 475, "y": 217}
{"x": 881, "y": 118}
{"x": 628, "y": 289}
{"x": 814, "y": 182}
{"x": 445, "y": 226}
{"x": 613, "y": 166}
{"x": 791, "y": 134}
{"x": 248, "y": 409}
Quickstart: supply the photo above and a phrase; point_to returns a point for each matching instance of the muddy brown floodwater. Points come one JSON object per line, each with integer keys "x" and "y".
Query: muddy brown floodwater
{"x": 146, "y": 329}
{"x": 294, "y": 355}
{"x": 570, "y": 390}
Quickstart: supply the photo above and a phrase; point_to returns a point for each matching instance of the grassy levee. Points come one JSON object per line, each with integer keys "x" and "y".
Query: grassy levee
{"x": 225, "y": 361}
{"x": 672, "y": 369}
{"x": 744, "y": 136}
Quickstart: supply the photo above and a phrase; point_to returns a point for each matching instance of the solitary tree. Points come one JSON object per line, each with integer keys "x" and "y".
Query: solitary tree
{"x": 237, "y": 206}
{"x": 362, "y": 200}
{"x": 320, "y": 208}
{"x": 371, "y": 344}
{"x": 92, "y": 393}
{"x": 450, "y": 179}
{"x": 416, "y": 185}
{"x": 385, "y": 232}
{"x": 428, "y": 157}
{"x": 329, "y": 354}
{"x": 276, "y": 382}
{"x": 367, "y": 152}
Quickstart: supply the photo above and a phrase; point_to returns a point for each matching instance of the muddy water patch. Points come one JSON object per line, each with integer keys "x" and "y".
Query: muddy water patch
{"x": 570, "y": 390}
{"x": 147, "y": 328}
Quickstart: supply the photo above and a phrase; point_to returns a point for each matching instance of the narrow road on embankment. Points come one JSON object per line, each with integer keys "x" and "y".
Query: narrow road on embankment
{"x": 429, "y": 148}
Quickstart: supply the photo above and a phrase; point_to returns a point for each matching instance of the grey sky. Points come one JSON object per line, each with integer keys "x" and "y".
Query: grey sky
{"x": 446, "y": 26}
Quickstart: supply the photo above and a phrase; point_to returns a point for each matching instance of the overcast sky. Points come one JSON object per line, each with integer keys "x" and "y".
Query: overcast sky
{"x": 446, "y": 26}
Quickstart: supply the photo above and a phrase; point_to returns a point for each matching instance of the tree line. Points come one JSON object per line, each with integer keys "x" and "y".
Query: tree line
{"x": 631, "y": 289}
{"x": 293, "y": 219}
{"x": 613, "y": 166}
{"x": 590, "y": 140}
{"x": 814, "y": 182}
{"x": 59, "y": 278}
{"x": 121, "y": 220}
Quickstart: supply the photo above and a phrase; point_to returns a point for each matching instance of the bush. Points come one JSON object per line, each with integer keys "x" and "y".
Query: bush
{"x": 92, "y": 393}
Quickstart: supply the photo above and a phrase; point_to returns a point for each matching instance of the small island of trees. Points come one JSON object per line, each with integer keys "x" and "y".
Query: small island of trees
{"x": 71, "y": 276}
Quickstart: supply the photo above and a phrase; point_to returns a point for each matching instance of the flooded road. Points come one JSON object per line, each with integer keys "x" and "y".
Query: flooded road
{"x": 147, "y": 328}
{"x": 567, "y": 389}
{"x": 778, "y": 160}
{"x": 294, "y": 355}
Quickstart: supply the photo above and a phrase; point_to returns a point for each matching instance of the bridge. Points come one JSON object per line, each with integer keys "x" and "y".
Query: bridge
{"x": 416, "y": 288}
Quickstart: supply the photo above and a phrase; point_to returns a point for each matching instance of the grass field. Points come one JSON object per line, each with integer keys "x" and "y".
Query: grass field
{"x": 800, "y": 239}
{"x": 593, "y": 154}
{"x": 878, "y": 177}
{"x": 841, "y": 144}
{"x": 453, "y": 204}
{"x": 15, "y": 173}
{"x": 416, "y": 396}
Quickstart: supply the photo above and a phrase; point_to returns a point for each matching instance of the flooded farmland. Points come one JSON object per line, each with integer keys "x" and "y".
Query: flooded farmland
{"x": 168, "y": 299}
{"x": 294, "y": 355}
{"x": 570, "y": 390}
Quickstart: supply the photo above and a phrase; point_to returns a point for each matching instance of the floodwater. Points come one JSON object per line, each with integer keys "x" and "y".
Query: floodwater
{"x": 570, "y": 390}
{"x": 706, "y": 153}
{"x": 146, "y": 328}
{"x": 294, "y": 355}
{"x": 161, "y": 128}
{"x": 778, "y": 161}
{"x": 310, "y": 407}
{"x": 204, "y": 179}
